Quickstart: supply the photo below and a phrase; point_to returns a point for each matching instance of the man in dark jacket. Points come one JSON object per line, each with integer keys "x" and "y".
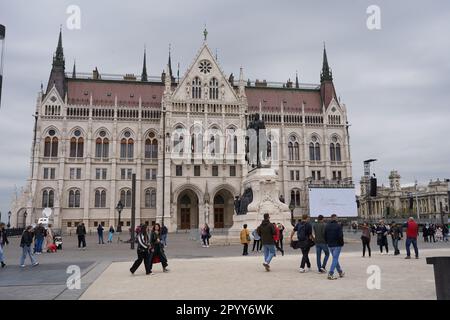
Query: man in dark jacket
{"x": 39, "y": 234}
{"x": 334, "y": 238}
{"x": 396, "y": 234}
{"x": 266, "y": 231}
{"x": 304, "y": 236}
{"x": 81, "y": 233}
{"x": 321, "y": 245}
{"x": 25, "y": 244}
{"x": 100, "y": 233}
{"x": 3, "y": 241}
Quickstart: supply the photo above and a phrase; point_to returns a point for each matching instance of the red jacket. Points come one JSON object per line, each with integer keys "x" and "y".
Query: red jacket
{"x": 276, "y": 236}
{"x": 412, "y": 229}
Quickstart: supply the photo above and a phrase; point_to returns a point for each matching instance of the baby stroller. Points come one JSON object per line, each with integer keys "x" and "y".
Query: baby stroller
{"x": 57, "y": 239}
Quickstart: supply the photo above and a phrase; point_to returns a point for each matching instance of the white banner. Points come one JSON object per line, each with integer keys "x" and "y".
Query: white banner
{"x": 326, "y": 201}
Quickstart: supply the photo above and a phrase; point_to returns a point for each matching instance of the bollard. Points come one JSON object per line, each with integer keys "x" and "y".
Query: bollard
{"x": 441, "y": 276}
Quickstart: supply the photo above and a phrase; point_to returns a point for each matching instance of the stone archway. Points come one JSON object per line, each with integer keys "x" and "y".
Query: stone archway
{"x": 223, "y": 209}
{"x": 20, "y": 218}
{"x": 187, "y": 210}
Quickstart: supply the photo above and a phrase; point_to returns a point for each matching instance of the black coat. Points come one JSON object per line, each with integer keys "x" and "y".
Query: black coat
{"x": 334, "y": 237}
{"x": 382, "y": 232}
{"x": 266, "y": 231}
{"x": 3, "y": 237}
{"x": 27, "y": 239}
{"x": 81, "y": 230}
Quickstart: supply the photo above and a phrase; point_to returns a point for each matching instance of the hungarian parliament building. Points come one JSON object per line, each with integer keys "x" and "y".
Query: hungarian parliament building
{"x": 183, "y": 137}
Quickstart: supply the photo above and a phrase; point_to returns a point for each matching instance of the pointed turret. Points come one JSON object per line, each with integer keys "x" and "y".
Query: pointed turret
{"x": 167, "y": 82}
{"x": 57, "y": 75}
{"x": 144, "y": 67}
{"x": 296, "y": 80}
{"x": 169, "y": 63}
{"x": 241, "y": 84}
{"x": 327, "y": 91}
{"x": 74, "y": 72}
{"x": 326, "y": 74}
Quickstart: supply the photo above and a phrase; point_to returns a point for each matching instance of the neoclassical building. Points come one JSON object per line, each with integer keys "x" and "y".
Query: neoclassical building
{"x": 427, "y": 202}
{"x": 94, "y": 131}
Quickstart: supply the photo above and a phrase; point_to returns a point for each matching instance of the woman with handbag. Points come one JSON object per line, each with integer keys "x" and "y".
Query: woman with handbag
{"x": 365, "y": 238}
{"x": 157, "y": 248}
{"x": 245, "y": 240}
{"x": 305, "y": 241}
{"x": 143, "y": 253}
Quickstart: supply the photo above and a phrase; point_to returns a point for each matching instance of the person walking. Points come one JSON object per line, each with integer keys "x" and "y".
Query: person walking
{"x": 157, "y": 248}
{"x": 245, "y": 240}
{"x": 281, "y": 237}
{"x": 321, "y": 245}
{"x": 49, "y": 239}
{"x": 205, "y": 236}
{"x": 39, "y": 235}
{"x": 3, "y": 242}
{"x": 382, "y": 232}
{"x": 439, "y": 236}
{"x": 305, "y": 237}
{"x": 164, "y": 233}
{"x": 143, "y": 251}
{"x": 397, "y": 235}
{"x": 266, "y": 231}
{"x": 432, "y": 232}
{"x": 256, "y": 241}
{"x": 334, "y": 237}
{"x": 365, "y": 238}
{"x": 276, "y": 238}
{"x": 25, "y": 244}
{"x": 412, "y": 231}
{"x": 100, "y": 233}
{"x": 425, "y": 232}
{"x": 81, "y": 233}
{"x": 373, "y": 229}
{"x": 445, "y": 232}
{"x": 111, "y": 234}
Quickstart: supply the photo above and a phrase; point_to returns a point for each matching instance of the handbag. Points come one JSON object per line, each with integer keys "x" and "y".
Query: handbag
{"x": 295, "y": 244}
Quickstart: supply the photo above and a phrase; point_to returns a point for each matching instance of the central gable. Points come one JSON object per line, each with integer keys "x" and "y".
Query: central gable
{"x": 204, "y": 81}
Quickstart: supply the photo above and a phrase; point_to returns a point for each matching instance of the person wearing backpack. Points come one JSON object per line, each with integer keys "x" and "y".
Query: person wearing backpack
{"x": 335, "y": 241}
{"x": 305, "y": 240}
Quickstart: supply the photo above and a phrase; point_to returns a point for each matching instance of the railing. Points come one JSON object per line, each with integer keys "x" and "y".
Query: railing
{"x": 14, "y": 232}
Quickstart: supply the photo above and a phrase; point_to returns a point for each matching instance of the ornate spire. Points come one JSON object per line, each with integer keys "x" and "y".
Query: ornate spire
{"x": 296, "y": 80}
{"x": 144, "y": 67}
{"x": 58, "y": 58}
{"x": 241, "y": 84}
{"x": 167, "y": 81}
{"x": 326, "y": 74}
{"x": 169, "y": 63}
{"x": 74, "y": 72}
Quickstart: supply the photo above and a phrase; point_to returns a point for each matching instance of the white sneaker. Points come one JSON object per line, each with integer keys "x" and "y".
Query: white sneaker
{"x": 307, "y": 269}
{"x": 207, "y": 246}
{"x": 302, "y": 270}
{"x": 22, "y": 266}
{"x": 203, "y": 246}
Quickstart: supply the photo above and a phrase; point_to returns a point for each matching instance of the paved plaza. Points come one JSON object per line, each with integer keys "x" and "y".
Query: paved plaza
{"x": 217, "y": 272}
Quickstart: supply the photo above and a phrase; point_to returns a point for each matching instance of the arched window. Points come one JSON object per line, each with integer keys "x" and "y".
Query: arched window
{"x": 231, "y": 141}
{"x": 196, "y": 88}
{"x": 314, "y": 149}
{"x": 293, "y": 149}
{"x": 296, "y": 151}
{"x": 48, "y": 197}
{"x": 295, "y": 197}
{"x": 335, "y": 149}
{"x": 127, "y": 146}
{"x": 338, "y": 152}
{"x": 76, "y": 145}
{"x": 74, "y": 198}
{"x": 332, "y": 152}
{"x": 102, "y": 146}
{"x": 151, "y": 146}
{"x": 214, "y": 142}
{"x": 197, "y": 139}
{"x": 178, "y": 140}
{"x": 150, "y": 198}
{"x": 100, "y": 198}
{"x": 214, "y": 89}
{"x": 51, "y": 145}
{"x": 125, "y": 197}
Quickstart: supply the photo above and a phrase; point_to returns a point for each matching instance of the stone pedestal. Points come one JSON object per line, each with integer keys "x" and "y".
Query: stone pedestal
{"x": 265, "y": 187}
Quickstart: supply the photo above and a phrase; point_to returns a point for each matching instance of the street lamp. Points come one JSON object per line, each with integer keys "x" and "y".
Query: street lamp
{"x": 9, "y": 220}
{"x": 119, "y": 209}
{"x": 25, "y": 219}
{"x": 2, "y": 48}
{"x": 292, "y": 207}
{"x": 368, "y": 190}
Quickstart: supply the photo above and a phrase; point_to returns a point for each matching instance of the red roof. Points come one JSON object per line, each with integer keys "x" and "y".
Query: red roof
{"x": 104, "y": 92}
{"x": 272, "y": 98}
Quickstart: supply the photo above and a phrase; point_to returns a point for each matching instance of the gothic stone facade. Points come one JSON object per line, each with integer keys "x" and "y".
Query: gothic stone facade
{"x": 93, "y": 133}
{"x": 428, "y": 201}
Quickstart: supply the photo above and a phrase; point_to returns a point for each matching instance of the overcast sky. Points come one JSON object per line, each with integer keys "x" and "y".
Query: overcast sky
{"x": 394, "y": 81}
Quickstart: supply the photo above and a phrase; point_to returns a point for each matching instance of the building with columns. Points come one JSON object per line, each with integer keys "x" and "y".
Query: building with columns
{"x": 94, "y": 131}
{"x": 428, "y": 202}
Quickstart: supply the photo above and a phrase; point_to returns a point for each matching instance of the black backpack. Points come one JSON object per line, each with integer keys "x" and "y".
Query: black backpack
{"x": 301, "y": 232}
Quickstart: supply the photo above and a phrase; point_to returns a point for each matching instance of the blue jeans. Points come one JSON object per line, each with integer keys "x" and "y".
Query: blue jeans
{"x": 319, "y": 248}
{"x": 408, "y": 244}
{"x": 1, "y": 253}
{"x": 110, "y": 237}
{"x": 100, "y": 238}
{"x": 269, "y": 252}
{"x": 164, "y": 239}
{"x": 38, "y": 244}
{"x": 335, "y": 252}
{"x": 26, "y": 250}
{"x": 395, "y": 244}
